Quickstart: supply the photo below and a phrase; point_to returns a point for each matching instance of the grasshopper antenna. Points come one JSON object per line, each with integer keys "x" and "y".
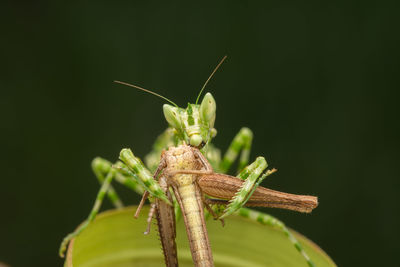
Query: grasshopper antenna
{"x": 205, "y": 84}
{"x": 147, "y": 91}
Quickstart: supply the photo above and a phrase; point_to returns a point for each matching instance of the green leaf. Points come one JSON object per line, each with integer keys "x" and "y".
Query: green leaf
{"x": 115, "y": 238}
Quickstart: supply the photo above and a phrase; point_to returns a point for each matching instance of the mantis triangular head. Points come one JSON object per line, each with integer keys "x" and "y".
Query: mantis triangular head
{"x": 195, "y": 124}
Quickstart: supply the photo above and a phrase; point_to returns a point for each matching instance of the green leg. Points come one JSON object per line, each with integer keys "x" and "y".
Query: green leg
{"x": 127, "y": 178}
{"x": 241, "y": 142}
{"x": 218, "y": 209}
{"x": 253, "y": 176}
{"x": 123, "y": 175}
{"x": 266, "y": 219}
{"x": 99, "y": 199}
{"x": 101, "y": 168}
{"x": 146, "y": 179}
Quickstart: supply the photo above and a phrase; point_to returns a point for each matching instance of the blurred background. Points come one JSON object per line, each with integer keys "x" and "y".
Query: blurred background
{"x": 317, "y": 82}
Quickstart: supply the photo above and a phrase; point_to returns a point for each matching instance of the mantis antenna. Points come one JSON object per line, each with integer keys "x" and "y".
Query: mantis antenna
{"x": 147, "y": 91}
{"x": 205, "y": 84}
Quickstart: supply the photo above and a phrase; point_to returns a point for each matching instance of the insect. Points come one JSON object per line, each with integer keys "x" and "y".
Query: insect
{"x": 192, "y": 167}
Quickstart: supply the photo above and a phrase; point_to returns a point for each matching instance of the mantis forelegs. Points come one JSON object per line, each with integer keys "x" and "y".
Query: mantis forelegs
{"x": 102, "y": 167}
{"x": 253, "y": 176}
{"x": 146, "y": 179}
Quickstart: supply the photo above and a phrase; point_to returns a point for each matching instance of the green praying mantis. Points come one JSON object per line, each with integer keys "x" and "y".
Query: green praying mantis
{"x": 185, "y": 173}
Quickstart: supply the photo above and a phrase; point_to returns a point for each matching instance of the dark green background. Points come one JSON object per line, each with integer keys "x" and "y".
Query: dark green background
{"x": 316, "y": 81}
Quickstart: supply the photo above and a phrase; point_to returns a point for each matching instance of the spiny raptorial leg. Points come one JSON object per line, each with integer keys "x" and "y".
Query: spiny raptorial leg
{"x": 135, "y": 165}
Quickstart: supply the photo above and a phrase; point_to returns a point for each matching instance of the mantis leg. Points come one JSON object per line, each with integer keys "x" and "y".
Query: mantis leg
{"x": 127, "y": 178}
{"x": 99, "y": 199}
{"x": 253, "y": 176}
{"x": 241, "y": 142}
{"x": 146, "y": 179}
{"x": 101, "y": 168}
{"x": 269, "y": 220}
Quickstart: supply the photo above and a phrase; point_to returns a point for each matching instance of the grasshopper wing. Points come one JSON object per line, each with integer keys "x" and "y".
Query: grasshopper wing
{"x": 225, "y": 187}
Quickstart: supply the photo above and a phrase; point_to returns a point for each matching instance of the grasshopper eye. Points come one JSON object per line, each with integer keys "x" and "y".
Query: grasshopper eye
{"x": 207, "y": 109}
{"x": 172, "y": 116}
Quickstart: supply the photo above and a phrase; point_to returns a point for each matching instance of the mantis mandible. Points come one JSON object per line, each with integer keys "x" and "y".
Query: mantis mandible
{"x": 193, "y": 168}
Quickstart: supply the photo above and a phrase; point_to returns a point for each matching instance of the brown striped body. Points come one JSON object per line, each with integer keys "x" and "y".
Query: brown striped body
{"x": 189, "y": 196}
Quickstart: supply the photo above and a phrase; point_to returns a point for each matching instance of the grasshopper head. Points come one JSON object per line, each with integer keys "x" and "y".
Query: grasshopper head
{"x": 195, "y": 124}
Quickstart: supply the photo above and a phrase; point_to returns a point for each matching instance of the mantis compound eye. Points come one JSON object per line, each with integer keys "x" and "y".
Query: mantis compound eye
{"x": 172, "y": 116}
{"x": 208, "y": 108}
